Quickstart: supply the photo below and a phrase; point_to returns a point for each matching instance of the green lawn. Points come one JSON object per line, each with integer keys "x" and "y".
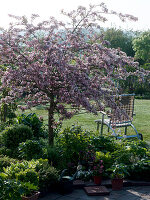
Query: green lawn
{"x": 86, "y": 120}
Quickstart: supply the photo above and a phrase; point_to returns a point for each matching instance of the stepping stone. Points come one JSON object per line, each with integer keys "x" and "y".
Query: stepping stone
{"x": 96, "y": 190}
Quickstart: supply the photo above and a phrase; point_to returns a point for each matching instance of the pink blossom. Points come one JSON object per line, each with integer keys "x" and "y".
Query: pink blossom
{"x": 61, "y": 66}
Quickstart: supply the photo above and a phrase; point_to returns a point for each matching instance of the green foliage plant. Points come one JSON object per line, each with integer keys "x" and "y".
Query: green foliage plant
{"x": 140, "y": 170}
{"x": 103, "y": 143}
{"x": 28, "y": 188}
{"x": 106, "y": 157}
{"x": 5, "y": 162}
{"x": 34, "y": 122}
{"x": 118, "y": 171}
{"x": 32, "y": 175}
{"x": 32, "y": 149}
{"x": 10, "y": 189}
{"x": 73, "y": 142}
{"x": 48, "y": 175}
{"x": 130, "y": 152}
{"x": 55, "y": 157}
{"x": 23, "y": 173}
{"x": 28, "y": 175}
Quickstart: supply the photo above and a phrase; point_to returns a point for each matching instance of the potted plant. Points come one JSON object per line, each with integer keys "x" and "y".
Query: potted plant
{"x": 97, "y": 172}
{"x": 30, "y": 191}
{"x": 117, "y": 176}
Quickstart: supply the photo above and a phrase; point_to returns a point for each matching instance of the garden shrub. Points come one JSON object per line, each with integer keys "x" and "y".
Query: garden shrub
{"x": 134, "y": 142}
{"x": 32, "y": 149}
{"x": 104, "y": 143}
{"x": 22, "y": 172}
{"x": 5, "y": 162}
{"x": 12, "y": 153}
{"x": 55, "y": 158}
{"x": 10, "y": 189}
{"x": 22, "y": 176}
{"x": 73, "y": 143}
{"x": 130, "y": 152}
{"x": 106, "y": 157}
{"x": 12, "y": 170}
{"x": 140, "y": 170}
{"x": 28, "y": 175}
{"x": 12, "y": 136}
{"x": 4, "y": 125}
{"x": 48, "y": 175}
{"x": 33, "y": 121}
{"x": 34, "y": 172}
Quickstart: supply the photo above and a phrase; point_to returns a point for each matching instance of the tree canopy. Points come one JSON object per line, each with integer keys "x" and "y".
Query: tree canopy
{"x": 53, "y": 63}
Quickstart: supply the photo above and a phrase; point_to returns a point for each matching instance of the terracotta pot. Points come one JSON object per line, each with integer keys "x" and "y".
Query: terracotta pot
{"x": 34, "y": 196}
{"x": 117, "y": 183}
{"x": 97, "y": 180}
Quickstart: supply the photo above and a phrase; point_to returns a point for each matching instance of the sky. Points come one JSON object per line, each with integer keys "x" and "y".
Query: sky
{"x": 46, "y": 8}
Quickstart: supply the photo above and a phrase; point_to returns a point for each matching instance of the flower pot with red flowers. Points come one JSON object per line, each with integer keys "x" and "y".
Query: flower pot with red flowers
{"x": 97, "y": 172}
{"x": 118, "y": 173}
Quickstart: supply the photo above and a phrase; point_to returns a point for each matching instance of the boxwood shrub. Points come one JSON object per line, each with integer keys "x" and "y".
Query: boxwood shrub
{"x": 12, "y": 136}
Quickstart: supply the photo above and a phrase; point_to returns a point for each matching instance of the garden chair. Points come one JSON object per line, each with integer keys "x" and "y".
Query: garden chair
{"x": 125, "y": 103}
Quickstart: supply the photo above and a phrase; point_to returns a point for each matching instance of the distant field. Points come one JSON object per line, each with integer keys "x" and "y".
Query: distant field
{"x": 86, "y": 120}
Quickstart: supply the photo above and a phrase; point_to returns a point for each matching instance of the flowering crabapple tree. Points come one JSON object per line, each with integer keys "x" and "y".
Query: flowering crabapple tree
{"x": 56, "y": 63}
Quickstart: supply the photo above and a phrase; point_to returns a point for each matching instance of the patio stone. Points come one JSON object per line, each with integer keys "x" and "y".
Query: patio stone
{"x": 96, "y": 191}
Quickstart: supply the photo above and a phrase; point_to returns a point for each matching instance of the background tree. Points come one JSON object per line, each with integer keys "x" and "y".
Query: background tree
{"x": 7, "y": 110}
{"x": 121, "y": 39}
{"x": 141, "y": 46}
{"x": 53, "y": 63}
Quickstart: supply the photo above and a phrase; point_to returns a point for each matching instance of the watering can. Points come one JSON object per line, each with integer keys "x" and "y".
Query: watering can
{"x": 66, "y": 182}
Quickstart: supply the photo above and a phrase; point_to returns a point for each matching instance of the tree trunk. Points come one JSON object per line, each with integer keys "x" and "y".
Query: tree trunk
{"x": 3, "y": 112}
{"x": 51, "y": 122}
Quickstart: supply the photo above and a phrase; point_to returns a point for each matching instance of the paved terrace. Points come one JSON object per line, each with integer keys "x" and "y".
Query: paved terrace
{"x": 127, "y": 193}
